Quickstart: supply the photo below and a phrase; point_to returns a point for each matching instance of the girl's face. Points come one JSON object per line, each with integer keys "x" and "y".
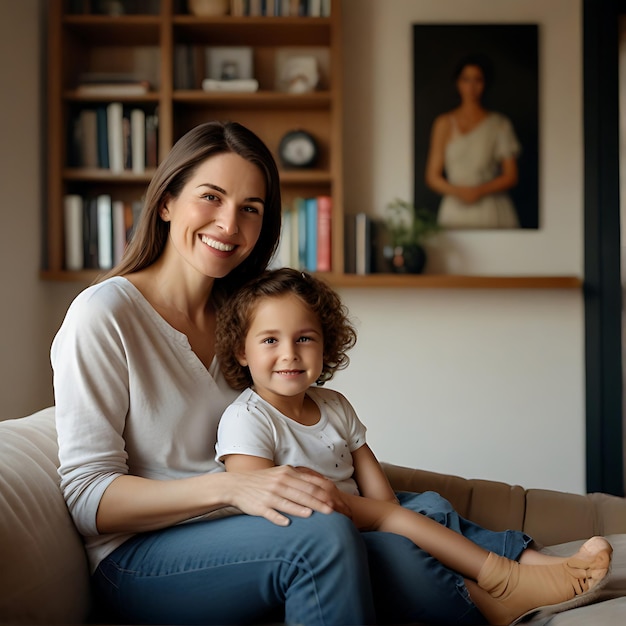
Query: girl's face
{"x": 284, "y": 348}
{"x": 471, "y": 83}
{"x": 216, "y": 220}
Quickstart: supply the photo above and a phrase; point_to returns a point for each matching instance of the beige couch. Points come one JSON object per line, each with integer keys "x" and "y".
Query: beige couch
{"x": 43, "y": 569}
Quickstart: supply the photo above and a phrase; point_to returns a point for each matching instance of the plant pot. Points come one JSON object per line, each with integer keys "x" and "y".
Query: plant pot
{"x": 409, "y": 259}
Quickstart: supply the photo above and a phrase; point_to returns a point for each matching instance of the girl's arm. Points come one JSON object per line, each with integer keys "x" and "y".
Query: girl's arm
{"x": 248, "y": 466}
{"x": 370, "y": 476}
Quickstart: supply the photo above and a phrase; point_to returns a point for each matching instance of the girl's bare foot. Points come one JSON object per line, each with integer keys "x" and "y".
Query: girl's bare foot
{"x": 597, "y": 551}
{"x": 516, "y": 588}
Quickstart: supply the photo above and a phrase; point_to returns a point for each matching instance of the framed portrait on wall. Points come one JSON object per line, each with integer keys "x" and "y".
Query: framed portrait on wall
{"x": 476, "y": 124}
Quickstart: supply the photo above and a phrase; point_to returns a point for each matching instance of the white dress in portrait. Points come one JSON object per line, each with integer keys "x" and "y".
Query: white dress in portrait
{"x": 474, "y": 158}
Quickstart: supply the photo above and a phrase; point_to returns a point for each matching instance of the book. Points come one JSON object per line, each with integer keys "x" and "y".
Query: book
{"x": 255, "y": 8}
{"x": 152, "y": 127}
{"x": 283, "y": 256}
{"x": 103, "y": 137}
{"x": 314, "y": 8}
{"x": 237, "y": 8}
{"x": 119, "y": 230}
{"x": 104, "y": 211}
{"x": 311, "y": 235}
{"x": 326, "y": 8}
{"x": 73, "y": 226}
{"x": 299, "y": 206}
{"x": 183, "y": 65}
{"x": 349, "y": 239}
{"x": 138, "y": 141}
{"x": 90, "y": 233}
{"x": 113, "y": 90}
{"x": 115, "y": 136}
{"x": 126, "y": 147}
{"x": 324, "y": 225}
{"x": 295, "y": 244}
{"x": 363, "y": 251}
{"x": 88, "y": 138}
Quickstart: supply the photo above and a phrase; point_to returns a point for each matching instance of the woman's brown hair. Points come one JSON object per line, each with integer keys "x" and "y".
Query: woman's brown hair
{"x": 193, "y": 148}
{"x": 235, "y": 318}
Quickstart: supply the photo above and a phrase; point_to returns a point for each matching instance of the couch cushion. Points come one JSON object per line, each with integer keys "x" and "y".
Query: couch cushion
{"x": 43, "y": 570}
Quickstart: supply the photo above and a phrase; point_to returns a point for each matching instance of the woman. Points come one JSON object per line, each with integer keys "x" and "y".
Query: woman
{"x": 138, "y": 397}
{"x": 472, "y": 160}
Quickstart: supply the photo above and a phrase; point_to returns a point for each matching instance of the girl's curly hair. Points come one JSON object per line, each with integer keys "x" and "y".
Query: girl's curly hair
{"x": 234, "y": 319}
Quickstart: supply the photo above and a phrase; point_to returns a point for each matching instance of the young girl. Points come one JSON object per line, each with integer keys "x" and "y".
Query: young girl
{"x": 287, "y": 330}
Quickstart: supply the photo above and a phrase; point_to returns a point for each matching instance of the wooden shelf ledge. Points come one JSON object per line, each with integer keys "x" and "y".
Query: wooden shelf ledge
{"x": 452, "y": 281}
{"x": 409, "y": 281}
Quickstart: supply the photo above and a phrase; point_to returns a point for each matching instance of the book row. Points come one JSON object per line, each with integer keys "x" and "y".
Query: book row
{"x": 114, "y": 137}
{"x": 305, "y": 240}
{"x": 97, "y": 230}
{"x": 237, "y": 8}
{"x": 280, "y": 8}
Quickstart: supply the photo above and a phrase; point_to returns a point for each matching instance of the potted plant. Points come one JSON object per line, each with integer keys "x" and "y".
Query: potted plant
{"x": 408, "y": 228}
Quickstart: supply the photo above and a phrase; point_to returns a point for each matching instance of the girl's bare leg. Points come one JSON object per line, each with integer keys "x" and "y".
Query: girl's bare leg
{"x": 504, "y": 589}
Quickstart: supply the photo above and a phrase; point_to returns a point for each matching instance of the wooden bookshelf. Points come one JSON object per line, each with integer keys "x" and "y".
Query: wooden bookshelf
{"x": 82, "y": 39}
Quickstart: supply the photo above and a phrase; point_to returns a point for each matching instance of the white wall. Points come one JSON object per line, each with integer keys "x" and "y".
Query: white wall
{"x": 30, "y": 309}
{"x": 487, "y": 384}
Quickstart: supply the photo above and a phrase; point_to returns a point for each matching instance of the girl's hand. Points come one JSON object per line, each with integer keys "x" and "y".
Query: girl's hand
{"x": 269, "y": 492}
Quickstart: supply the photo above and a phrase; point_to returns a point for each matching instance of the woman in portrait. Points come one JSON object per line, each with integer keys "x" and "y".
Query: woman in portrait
{"x": 472, "y": 159}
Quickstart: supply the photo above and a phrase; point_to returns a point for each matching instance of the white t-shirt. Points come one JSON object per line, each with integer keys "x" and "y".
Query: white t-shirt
{"x": 254, "y": 427}
{"x": 131, "y": 398}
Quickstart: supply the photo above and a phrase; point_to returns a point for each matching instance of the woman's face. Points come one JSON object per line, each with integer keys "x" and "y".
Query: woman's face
{"x": 471, "y": 83}
{"x": 216, "y": 220}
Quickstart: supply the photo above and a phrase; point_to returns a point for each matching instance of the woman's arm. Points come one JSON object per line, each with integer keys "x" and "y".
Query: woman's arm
{"x": 435, "y": 161}
{"x": 370, "y": 476}
{"x": 133, "y": 504}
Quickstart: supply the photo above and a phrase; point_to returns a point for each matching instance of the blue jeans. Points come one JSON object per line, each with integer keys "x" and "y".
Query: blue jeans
{"x": 317, "y": 571}
{"x": 409, "y": 585}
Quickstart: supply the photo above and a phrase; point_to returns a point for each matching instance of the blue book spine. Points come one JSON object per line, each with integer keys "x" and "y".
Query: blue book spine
{"x": 311, "y": 234}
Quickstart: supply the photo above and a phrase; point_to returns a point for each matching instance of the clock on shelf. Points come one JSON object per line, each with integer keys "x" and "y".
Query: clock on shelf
{"x": 298, "y": 148}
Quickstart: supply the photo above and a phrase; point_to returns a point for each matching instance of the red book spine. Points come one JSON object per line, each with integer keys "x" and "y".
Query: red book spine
{"x": 324, "y": 221}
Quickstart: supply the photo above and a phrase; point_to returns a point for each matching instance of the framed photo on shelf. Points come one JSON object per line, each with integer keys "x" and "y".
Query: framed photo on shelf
{"x": 229, "y": 63}
{"x": 476, "y": 85}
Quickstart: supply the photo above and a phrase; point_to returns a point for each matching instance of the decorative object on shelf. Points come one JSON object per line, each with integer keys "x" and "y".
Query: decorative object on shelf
{"x": 301, "y": 74}
{"x": 298, "y": 148}
{"x": 301, "y": 70}
{"x": 208, "y": 8}
{"x": 408, "y": 228}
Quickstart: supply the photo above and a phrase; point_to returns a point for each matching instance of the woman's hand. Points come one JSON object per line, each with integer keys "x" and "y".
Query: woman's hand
{"x": 271, "y": 491}
{"x": 469, "y": 195}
